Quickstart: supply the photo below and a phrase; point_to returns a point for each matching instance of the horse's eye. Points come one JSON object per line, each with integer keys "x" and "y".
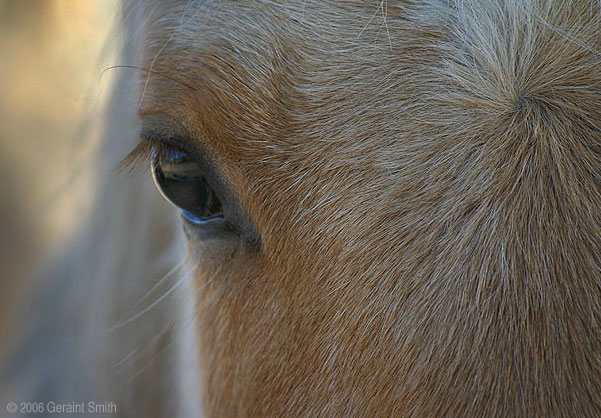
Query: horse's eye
{"x": 181, "y": 181}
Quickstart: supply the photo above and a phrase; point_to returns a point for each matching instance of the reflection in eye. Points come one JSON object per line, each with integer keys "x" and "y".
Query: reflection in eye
{"x": 181, "y": 181}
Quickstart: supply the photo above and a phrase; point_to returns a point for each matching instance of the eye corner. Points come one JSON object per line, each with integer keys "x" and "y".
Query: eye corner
{"x": 253, "y": 241}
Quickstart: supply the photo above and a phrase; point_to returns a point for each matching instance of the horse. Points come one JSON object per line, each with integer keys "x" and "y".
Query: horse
{"x": 387, "y": 208}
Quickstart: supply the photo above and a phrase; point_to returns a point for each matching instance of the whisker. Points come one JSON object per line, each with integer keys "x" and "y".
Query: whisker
{"x": 152, "y": 305}
{"x": 124, "y": 359}
{"x": 173, "y": 325}
{"x": 153, "y": 72}
{"x": 163, "y": 279}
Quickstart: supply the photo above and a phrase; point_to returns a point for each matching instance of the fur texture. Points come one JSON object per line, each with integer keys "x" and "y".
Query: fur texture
{"x": 425, "y": 177}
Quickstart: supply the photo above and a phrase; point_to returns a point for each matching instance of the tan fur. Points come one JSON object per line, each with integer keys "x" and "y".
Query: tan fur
{"x": 425, "y": 177}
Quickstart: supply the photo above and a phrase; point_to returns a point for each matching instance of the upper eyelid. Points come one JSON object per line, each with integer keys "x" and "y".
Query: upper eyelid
{"x": 168, "y": 142}
{"x": 150, "y": 140}
{"x": 147, "y": 146}
{"x": 160, "y": 128}
{"x": 156, "y": 137}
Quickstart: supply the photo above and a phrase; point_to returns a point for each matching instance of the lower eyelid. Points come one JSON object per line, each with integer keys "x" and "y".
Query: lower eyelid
{"x": 202, "y": 221}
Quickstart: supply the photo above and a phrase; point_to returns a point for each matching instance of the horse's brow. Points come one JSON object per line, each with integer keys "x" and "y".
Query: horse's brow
{"x": 162, "y": 128}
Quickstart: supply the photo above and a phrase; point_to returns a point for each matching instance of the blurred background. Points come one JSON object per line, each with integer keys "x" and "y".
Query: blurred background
{"x": 93, "y": 297}
{"x": 52, "y": 93}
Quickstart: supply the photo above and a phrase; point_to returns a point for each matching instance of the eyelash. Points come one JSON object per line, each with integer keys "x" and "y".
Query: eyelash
{"x": 143, "y": 153}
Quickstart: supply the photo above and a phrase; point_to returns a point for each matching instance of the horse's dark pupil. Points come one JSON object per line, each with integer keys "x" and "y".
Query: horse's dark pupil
{"x": 182, "y": 183}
